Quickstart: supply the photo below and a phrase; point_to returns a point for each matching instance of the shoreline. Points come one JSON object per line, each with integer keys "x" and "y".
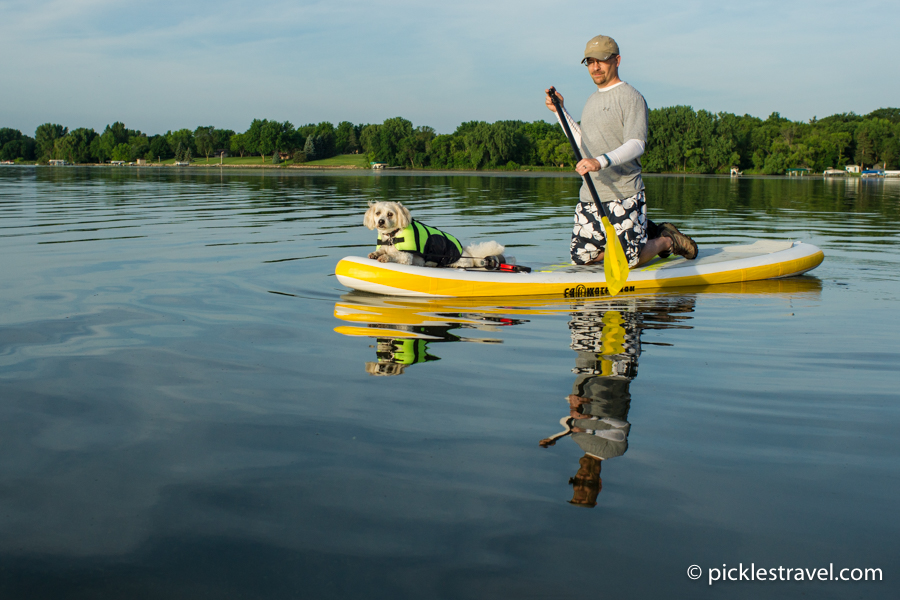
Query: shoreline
{"x": 529, "y": 171}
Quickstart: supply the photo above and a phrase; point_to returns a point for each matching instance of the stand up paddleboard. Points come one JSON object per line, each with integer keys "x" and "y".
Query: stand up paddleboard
{"x": 764, "y": 259}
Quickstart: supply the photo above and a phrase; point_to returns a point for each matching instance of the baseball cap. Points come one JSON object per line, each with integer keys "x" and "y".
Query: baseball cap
{"x": 601, "y": 47}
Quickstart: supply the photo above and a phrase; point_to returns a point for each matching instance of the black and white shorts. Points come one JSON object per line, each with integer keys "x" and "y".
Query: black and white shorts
{"x": 628, "y": 216}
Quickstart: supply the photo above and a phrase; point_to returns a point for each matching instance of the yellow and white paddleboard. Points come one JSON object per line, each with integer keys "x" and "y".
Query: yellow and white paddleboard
{"x": 764, "y": 259}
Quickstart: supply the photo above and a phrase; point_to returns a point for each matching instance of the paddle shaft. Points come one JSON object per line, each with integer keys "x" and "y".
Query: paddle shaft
{"x": 586, "y": 176}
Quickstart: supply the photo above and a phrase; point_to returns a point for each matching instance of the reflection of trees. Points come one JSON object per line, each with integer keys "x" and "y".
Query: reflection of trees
{"x": 607, "y": 340}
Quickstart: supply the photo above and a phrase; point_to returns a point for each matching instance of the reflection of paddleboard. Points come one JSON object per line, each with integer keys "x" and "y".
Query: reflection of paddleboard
{"x": 764, "y": 259}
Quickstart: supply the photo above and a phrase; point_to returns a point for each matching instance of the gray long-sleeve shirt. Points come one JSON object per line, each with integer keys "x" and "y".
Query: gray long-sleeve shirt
{"x": 611, "y": 117}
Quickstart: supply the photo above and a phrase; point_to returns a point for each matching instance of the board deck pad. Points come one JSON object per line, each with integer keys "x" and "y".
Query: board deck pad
{"x": 763, "y": 259}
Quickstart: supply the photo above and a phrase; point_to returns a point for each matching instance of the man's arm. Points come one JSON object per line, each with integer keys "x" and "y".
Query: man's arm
{"x": 630, "y": 150}
{"x": 573, "y": 124}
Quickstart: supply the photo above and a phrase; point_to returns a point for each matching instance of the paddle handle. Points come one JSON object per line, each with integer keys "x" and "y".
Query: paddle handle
{"x": 571, "y": 138}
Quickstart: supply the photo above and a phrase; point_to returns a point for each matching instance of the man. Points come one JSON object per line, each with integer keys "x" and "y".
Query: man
{"x": 612, "y": 137}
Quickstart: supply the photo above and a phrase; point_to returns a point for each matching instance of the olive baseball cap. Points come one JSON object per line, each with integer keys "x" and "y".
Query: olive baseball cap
{"x": 601, "y": 47}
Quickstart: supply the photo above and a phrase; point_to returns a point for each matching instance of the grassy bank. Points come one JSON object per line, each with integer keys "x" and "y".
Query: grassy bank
{"x": 344, "y": 160}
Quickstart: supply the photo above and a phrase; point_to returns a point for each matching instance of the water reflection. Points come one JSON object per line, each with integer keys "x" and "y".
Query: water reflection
{"x": 404, "y": 328}
{"x": 605, "y": 336}
{"x": 607, "y": 341}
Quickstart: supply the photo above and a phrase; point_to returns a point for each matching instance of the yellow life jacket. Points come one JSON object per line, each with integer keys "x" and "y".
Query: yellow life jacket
{"x": 430, "y": 243}
{"x": 406, "y": 352}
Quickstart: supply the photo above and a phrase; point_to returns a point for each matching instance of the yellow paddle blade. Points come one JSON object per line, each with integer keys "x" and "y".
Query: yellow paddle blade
{"x": 615, "y": 265}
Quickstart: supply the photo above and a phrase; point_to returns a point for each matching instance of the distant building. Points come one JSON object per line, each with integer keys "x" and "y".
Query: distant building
{"x": 852, "y": 168}
{"x": 799, "y": 171}
{"x": 57, "y": 162}
{"x": 832, "y": 172}
{"x": 117, "y": 163}
{"x": 141, "y": 161}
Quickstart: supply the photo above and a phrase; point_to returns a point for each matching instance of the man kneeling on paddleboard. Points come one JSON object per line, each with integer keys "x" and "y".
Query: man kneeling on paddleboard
{"x": 614, "y": 130}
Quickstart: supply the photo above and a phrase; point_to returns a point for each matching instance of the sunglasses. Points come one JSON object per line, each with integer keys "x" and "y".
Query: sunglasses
{"x": 590, "y": 61}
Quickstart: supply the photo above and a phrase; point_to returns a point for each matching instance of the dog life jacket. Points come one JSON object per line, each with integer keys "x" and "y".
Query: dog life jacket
{"x": 406, "y": 352}
{"x": 431, "y": 244}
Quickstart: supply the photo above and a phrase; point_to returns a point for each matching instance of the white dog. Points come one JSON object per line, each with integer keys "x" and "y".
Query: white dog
{"x": 401, "y": 239}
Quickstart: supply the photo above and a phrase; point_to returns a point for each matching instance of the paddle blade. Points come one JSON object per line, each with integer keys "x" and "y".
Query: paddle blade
{"x": 615, "y": 264}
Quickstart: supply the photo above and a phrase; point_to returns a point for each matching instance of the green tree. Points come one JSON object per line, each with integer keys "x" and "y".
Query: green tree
{"x": 265, "y": 137}
{"x": 121, "y": 152}
{"x": 389, "y": 144}
{"x": 369, "y": 140}
{"x": 889, "y": 114}
{"x": 222, "y": 139}
{"x": 14, "y": 145}
{"x": 345, "y": 138}
{"x": 182, "y": 137}
{"x": 139, "y": 144}
{"x": 205, "y": 140}
{"x": 45, "y": 137}
{"x": 159, "y": 148}
{"x": 327, "y": 139}
{"x": 79, "y": 145}
{"x": 9, "y": 135}
{"x": 238, "y": 144}
{"x": 311, "y": 148}
{"x": 268, "y": 139}
{"x": 873, "y": 141}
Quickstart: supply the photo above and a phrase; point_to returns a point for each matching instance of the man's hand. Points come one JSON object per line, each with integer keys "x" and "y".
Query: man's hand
{"x": 587, "y": 164}
{"x": 549, "y": 102}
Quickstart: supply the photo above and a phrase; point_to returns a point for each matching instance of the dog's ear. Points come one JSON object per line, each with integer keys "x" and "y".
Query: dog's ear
{"x": 369, "y": 217}
{"x": 403, "y": 216}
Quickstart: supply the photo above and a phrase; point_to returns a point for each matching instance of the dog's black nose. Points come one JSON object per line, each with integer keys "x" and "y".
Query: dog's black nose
{"x": 381, "y": 222}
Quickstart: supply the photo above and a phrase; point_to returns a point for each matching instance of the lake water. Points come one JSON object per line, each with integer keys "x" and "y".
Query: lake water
{"x": 188, "y": 410}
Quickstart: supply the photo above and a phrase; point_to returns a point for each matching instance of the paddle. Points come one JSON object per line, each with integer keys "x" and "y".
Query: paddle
{"x": 615, "y": 265}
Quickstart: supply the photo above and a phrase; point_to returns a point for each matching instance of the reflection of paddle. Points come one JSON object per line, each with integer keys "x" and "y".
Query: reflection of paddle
{"x": 615, "y": 265}
{"x": 566, "y": 422}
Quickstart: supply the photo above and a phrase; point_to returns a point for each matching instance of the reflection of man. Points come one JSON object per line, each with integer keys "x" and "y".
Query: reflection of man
{"x": 586, "y": 484}
{"x": 613, "y": 136}
{"x": 608, "y": 344}
{"x": 608, "y": 348}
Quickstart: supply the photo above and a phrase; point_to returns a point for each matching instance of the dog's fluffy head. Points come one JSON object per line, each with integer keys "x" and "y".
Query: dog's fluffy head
{"x": 386, "y": 216}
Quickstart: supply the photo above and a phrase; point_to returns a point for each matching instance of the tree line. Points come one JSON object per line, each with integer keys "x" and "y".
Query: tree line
{"x": 117, "y": 142}
{"x": 681, "y": 140}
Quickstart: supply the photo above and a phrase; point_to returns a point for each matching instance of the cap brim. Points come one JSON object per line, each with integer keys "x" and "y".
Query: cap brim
{"x": 598, "y": 56}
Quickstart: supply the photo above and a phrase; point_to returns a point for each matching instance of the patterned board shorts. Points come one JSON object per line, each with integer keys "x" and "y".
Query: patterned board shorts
{"x": 628, "y": 216}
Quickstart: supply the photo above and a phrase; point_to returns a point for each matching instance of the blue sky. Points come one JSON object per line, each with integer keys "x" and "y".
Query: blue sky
{"x": 167, "y": 65}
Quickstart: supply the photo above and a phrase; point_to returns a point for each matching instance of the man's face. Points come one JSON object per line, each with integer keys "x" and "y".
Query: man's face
{"x": 604, "y": 72}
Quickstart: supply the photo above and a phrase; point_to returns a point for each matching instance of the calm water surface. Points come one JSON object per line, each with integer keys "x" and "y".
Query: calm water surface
{"x": 193, "y": 407}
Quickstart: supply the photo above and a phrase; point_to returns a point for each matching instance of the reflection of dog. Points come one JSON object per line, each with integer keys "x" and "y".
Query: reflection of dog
{"x": 401, "y": 239}
{"x": 384, "y": 368}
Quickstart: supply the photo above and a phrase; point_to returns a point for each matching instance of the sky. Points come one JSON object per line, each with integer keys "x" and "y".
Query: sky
{"x": 165, "y": 65}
